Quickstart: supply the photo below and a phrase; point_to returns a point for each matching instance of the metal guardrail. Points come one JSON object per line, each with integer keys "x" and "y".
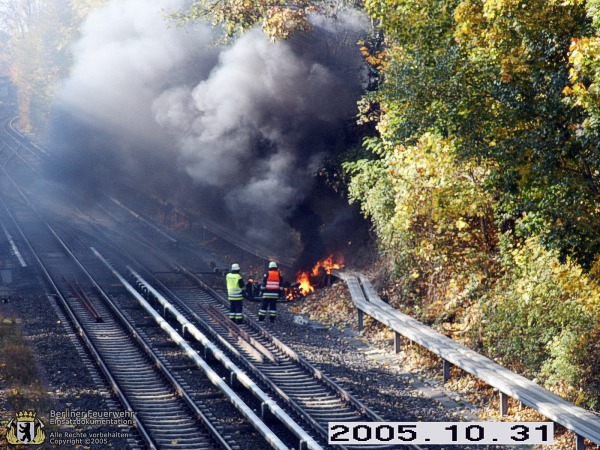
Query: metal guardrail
{"x": 583, "y": 423}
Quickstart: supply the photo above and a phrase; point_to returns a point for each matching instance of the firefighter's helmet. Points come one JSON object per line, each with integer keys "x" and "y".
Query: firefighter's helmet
{"x": 272, "y": 265}
{"x": 235, "y": 267}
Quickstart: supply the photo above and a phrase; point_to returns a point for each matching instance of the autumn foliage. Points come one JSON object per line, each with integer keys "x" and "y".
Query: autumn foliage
{"x": 479, "y": 168}
{"x": 482, "y": 179}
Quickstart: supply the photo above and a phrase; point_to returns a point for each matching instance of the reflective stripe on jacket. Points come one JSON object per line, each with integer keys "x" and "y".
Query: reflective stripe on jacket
{"x": 273, "y": 281}
{"x": 272, "y": 284}
{"x": 234, "y": 291}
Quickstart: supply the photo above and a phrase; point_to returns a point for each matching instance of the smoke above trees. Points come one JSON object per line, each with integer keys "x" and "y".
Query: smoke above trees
{"x": 245, "y": 125}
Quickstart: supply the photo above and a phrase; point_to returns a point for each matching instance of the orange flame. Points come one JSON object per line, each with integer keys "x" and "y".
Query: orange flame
{"x": 328, "y": 265}
{"x": 303, "y": 278}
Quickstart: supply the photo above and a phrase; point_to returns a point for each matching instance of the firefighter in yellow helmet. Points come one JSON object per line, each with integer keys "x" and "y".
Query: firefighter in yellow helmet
{"x": 235, "y": 286}
{"x": 271, "y": 287}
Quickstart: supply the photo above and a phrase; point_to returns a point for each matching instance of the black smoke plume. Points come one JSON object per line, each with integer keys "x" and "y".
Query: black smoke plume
{"x": 242, "y": 128}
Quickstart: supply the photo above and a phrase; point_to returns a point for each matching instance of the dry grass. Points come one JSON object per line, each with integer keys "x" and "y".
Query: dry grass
{"x": 17, "y": 364}
{"x": 22, "y": 388}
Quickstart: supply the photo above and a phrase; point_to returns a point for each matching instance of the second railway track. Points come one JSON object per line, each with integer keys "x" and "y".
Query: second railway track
{"x": 164, "y": 413}
{"x": 163, "y": 417}
{"x": 302, "y": 388}
{"x": 168, "y": 411}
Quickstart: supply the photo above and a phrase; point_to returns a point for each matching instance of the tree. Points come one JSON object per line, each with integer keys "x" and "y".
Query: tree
{"x": 506, "y": 90}
{"x": 279, "y": 19}
{"x": 38, "y": 50}
{"x": 38, "y": 58}
{"x": 432, "y": 207}
{"x": 491, "y": 76}
{"x": 520, "y": 57}
{"x": 17, "y": 15}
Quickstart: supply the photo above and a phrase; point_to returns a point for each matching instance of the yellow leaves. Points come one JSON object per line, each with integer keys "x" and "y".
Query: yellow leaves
{"x": 83, "y": 8}
{"x": 584, "y": 58}
{"x": 436, "y": 197}
{"x": 567, "y": 2}
{"x": 583, "y": 52}
{"x": 378, "y": 59}
{"x": 281, "y": 22}
{"x": 236, "y": 16}
{"x": 460, "y": 224}
{"x": 537, "y": 265}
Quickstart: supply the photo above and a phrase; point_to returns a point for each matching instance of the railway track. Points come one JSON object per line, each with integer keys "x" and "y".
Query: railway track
{"x": 293, "y": 390}
{"x": 163, "y": 412}
{"x": 146, "y": 390}
{"x": 293, "y": 381}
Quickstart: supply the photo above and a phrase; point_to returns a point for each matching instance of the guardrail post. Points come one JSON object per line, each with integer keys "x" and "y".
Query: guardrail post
{"x": 360, "y": 320}
{"x": 503, "y": 404}
{"x": 579, "y": 443}
{"x": 446, "y": 370}
{"x": 397, "y": 342}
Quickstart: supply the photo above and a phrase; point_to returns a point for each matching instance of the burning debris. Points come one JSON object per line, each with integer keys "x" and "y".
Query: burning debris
{"x": 318, "y": 277}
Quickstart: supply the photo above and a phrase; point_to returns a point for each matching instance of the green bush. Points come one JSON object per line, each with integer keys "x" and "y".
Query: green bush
{"x": 540, "y": 319}
{"x": 573, "y": 369}
{"x": 431, "y": 212}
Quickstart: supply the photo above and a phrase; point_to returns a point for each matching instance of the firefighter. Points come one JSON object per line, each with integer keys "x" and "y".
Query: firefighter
{"x": 235, "y": 286}
{"x": 271, "y": 288}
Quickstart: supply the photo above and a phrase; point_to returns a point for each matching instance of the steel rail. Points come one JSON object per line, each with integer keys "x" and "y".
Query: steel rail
{"x": 238, "y": 332}
{"x": 258, "y": 424}
{"x": 88, "y": 340}
{"x": 294, "y": 355}
{"x": 171, "y": 239}
{"x": 84, "y": 335}
{"x": 72, "y": 317}
{"x": 369, "y": 415}
{"x": 11, "y": 130}
{"x": 316, "y": 373}
{"x": 84, "y": 300}
{"x": 147, "y": 349}
{"x": 160, "y": 365}
{"x": 240, "y": 375}
{"x": 16, "y": 152}
{"x": 285, "y": 348}
{"x": 305, "y": 364}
